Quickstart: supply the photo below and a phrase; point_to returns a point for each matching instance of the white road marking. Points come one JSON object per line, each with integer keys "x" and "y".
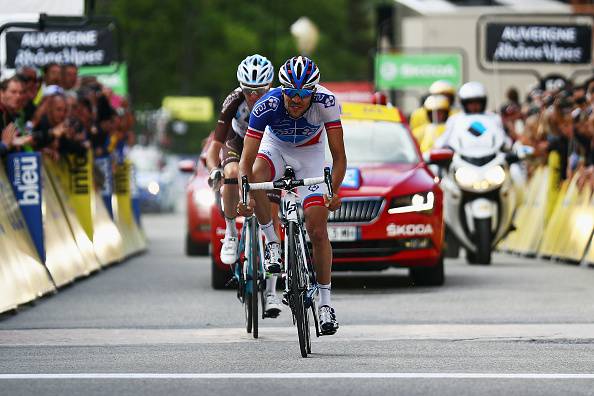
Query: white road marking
{"x": 214, "y": 376}
{"x": 347, "y": 333}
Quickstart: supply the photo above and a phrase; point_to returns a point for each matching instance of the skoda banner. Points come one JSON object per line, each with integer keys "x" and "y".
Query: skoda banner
{"x": 83, "y": 47}
{"x": 103, "y": 164}
{"x": 402, "y": 71}
{"x": 538, "y": 43}
{"x": 24, "y": 172}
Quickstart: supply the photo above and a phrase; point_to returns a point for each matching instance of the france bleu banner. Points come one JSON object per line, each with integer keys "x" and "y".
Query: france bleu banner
{"x": 24, "y": 172}
{"x": 104, "y": 165}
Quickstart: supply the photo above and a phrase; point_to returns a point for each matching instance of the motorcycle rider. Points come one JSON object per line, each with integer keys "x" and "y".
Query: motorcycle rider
{"x": 440, "y": 87}
{"x": 437, "y": 108}
{"x": 486, "y": 126}
{"x": 255, "y": 74}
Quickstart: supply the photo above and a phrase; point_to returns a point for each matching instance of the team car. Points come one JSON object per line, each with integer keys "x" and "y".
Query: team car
{"x": 392, "y": 205}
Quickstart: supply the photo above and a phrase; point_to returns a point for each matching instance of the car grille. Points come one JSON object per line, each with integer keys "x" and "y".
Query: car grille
{"x": 361, "y": 210}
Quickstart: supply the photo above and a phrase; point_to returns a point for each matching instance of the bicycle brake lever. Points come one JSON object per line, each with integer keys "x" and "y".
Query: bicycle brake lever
{"x": 328, "y": 181}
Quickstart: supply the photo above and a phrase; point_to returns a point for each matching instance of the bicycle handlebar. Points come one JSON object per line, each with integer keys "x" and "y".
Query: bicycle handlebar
{"x": 287, "y": 184}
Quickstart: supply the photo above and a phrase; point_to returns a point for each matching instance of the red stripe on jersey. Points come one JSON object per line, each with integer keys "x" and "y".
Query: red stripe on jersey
{"x": 254, "y": 134}
{"x": 314, "y": 140}
{"x": 333, "y": 124}
{"x": 313, "y": 200}
{"x": 270, "y": 164}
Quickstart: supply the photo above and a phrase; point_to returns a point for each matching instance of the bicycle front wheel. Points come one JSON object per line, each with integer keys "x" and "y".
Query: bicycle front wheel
{"x": 254, "y": 261}
{"x": 298, "y": 290}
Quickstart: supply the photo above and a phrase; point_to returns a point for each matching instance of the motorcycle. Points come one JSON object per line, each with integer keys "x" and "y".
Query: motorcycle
{"x": 479, "y": 195}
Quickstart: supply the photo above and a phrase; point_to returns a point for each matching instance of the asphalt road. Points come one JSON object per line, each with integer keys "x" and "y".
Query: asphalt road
{"x": 153, "y": 325}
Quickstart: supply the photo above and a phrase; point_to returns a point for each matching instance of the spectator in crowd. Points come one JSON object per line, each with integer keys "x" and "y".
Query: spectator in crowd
{"x": 69, "y": 79}
{"x": 52, "y": 74}
{"x": 11, "y": 100}
{"x": 31, "y": 84}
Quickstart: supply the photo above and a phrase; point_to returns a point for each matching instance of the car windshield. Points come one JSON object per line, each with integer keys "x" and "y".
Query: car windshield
{"x": 377, "y": 141}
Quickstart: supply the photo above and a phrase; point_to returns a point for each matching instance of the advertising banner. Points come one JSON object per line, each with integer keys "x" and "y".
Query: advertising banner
{"x": 83, "y": 47}
{"x": 538, "y": 43}
{"x": 81, "y": 189}
{"x": 103, "y": 164}
{"x": 401, "y": 71}
{"x": 24, "y": 172}
{"x": 114, "y": 76}
{"x": 189, "y": 108}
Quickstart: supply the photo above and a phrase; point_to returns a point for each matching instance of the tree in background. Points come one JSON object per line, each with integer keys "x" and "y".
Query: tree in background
{"x": 193, "y": 47}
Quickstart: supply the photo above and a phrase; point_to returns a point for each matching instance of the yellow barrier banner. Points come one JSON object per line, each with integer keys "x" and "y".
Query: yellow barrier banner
{"x": 107, "y": 240}
{"x": 85, "y": 245}
{"x": 23, "y": 277}
{"x": 122, "y": 209}
{"x": 551, "y": 232}
{"x": 81, "y": 189}
{"x": 590, "y": 253}
{"x": 63, "y": 258}
{"x": 579, "y": 227}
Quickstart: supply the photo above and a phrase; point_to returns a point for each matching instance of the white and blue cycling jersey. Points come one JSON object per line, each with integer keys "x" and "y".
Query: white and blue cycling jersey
{"x": 270, "y": 117}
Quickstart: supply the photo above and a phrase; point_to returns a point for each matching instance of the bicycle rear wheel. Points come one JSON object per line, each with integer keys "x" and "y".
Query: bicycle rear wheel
{"x": 297, "y": 291}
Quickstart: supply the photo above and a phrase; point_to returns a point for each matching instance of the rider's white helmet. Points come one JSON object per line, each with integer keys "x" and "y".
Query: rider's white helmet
{"x": 255, "y": 70}
{"x": 473, "y": 91}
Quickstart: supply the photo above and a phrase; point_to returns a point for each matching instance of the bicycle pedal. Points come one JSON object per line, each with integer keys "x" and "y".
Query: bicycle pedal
{"x": 231, "y": 282}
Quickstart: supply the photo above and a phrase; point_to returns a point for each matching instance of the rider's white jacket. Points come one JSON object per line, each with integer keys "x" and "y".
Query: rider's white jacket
{"x": 474, "y": 134}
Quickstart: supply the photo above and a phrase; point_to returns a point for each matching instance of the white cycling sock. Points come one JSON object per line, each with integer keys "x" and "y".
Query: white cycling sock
{"x": 231, "y": 230}
{"x": 325, "y": 291}
{"x": 271, "y": 284}
{"x": 269, "y": 232}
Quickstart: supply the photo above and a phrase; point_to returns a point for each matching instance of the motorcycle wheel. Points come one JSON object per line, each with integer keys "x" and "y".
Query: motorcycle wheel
{"x": 482, "y": 240}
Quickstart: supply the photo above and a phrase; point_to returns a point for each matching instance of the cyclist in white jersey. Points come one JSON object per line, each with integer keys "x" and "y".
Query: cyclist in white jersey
{"x": 255, "y": 74}
{"x": 289, "y": 126}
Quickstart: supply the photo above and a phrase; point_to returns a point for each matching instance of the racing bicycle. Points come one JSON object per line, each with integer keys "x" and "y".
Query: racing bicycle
{"x": 301, "y": 287}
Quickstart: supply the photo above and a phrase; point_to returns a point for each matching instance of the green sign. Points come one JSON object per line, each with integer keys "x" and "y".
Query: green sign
{"x": 112, "y": 76}
{"x": 398, "y": 71}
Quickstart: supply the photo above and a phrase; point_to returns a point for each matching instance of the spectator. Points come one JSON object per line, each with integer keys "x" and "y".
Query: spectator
{"x": 52, "y": 74}
{"x": 69, "y": 79}
{"x": 11, "y": 101}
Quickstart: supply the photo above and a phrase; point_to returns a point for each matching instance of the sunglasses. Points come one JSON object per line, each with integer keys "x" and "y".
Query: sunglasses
{"x": 303, "y": 93}
{"x": 250, "y": 91}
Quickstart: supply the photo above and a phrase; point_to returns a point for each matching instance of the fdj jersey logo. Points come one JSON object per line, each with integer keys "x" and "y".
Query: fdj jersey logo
{"x": 26, "y": 180}
{"x": 267, "y": 105}
{"x": 326, "y": 100}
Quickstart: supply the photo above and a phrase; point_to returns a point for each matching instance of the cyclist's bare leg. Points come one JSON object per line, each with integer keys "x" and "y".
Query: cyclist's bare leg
{"x": 231, "y": 191}
{"x": 261, "y": 173}
{"x": 316, "y": 220}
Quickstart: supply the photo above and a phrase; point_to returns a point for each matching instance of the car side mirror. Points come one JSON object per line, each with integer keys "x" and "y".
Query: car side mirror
{"x": 439, "y": 157}
{"x": 187, "y": 166}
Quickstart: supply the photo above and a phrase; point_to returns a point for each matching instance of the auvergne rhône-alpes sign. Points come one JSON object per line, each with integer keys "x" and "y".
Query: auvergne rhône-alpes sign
{"x": 83, "y": 47}
{"x": 539, "y": 43}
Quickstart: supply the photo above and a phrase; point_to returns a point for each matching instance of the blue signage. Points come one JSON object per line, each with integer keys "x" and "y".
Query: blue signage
{"x": 352, "y": 178}
{"x": 104, "y": 165}
{"x": 24, "y": 172}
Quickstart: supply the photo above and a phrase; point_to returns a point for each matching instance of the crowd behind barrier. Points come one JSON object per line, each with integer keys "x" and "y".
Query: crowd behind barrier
{"x": 66, "y": 185}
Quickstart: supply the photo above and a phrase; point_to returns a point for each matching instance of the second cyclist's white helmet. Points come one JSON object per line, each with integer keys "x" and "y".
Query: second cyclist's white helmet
{"x": 255, "y": 70}
{"x": 473, "y": 91}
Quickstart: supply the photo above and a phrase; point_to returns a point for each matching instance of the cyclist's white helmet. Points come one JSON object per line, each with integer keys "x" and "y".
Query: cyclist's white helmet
{"x": 255, "y": 70}
{"x": 473, "y": 91}
{"x": 299, "y": 72}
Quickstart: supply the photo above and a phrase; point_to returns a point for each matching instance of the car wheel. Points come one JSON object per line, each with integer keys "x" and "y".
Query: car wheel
{"x": 195, "y": 249}
{"x": 218, "y": 277}
{"x": 428, "y": 276}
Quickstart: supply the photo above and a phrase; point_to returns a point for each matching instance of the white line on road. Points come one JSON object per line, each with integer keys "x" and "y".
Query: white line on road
{"x": 200, "y": 376}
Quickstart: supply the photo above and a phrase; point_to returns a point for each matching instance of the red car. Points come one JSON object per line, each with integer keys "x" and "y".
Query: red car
{"x": 392, "y": 205}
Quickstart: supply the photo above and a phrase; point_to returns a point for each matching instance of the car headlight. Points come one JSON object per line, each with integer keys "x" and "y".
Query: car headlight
{"x": 420, "y": 202}
{"x": 470, "y": 178}
{"x": 204, "y": 197}
{"x": 153, "y": 187}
